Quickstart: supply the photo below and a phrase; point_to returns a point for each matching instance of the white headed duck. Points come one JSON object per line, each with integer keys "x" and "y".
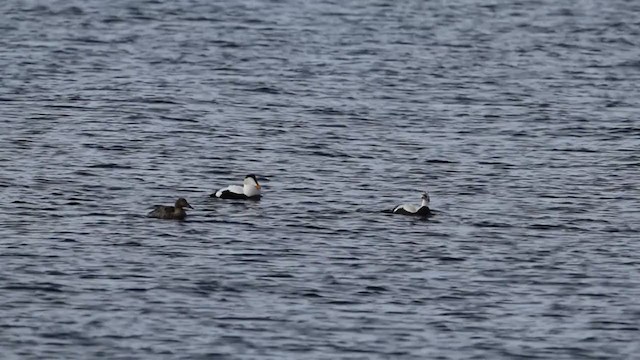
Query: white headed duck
{"x": 250, "y": 190}
{"x": 410, "y": 209}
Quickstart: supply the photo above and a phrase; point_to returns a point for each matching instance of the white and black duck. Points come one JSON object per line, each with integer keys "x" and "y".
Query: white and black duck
{"x": 250, "y": 190}
{"x": 410, "y": 209}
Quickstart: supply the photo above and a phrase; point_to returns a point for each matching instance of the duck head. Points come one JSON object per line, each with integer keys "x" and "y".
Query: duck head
{"x": 251, "y": 180}
{"x": 425, "y": 199}
{"x": 182, "y": 203}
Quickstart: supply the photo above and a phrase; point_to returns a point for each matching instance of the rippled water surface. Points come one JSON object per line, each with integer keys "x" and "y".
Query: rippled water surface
{"x": 519, "y": 118}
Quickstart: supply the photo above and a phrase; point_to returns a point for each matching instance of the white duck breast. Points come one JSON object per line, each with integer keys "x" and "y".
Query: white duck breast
{"x": 410, "y": 209}
{"x": 249, "y": 190}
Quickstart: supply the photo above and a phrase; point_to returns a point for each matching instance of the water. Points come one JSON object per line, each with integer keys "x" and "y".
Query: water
{"x": 521, "y": 119}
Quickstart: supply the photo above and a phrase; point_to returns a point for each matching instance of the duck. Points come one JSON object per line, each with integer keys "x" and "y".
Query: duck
{"x": 250, "y": 190}
{"x": 410, "y": 209}
{"x": 175, "y": 212}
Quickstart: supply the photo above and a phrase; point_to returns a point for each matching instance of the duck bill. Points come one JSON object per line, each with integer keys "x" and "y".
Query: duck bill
{"x": 258, "y": 186}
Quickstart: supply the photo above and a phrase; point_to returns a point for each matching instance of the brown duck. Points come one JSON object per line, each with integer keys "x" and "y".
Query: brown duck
{"x": 175, "y": 212}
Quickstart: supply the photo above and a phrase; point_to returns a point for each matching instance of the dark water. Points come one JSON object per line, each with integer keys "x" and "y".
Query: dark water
{"x": 520, "y": 118}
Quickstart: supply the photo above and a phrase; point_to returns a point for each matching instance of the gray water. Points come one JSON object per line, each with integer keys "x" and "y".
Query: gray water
{"x": 519, "y": 118}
